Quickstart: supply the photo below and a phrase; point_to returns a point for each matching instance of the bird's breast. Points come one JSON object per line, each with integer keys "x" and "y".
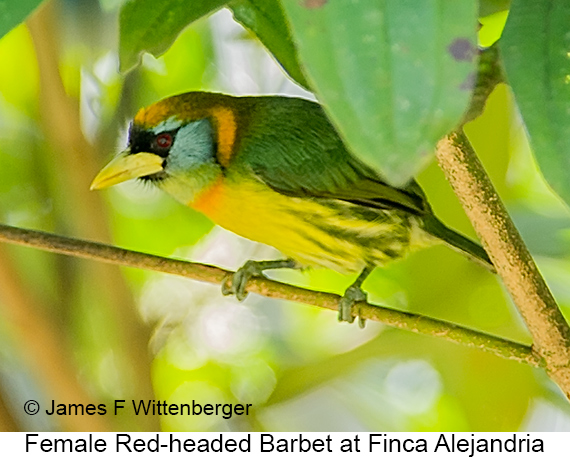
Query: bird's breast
{"x": 316, "y": 232}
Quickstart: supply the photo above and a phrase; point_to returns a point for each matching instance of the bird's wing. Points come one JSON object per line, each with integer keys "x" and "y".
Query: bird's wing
{"x": 298, "y": 153}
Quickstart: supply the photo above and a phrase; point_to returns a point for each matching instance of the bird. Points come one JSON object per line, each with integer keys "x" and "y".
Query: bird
{"x": 273, "y": 169}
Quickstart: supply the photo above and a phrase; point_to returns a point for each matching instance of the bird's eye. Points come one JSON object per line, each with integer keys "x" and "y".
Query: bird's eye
{"x": 163, "y": 141}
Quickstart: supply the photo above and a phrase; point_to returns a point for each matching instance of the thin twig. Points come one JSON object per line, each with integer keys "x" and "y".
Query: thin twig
{"x": 550, "y": 332}
{"x": 269, "y": 288}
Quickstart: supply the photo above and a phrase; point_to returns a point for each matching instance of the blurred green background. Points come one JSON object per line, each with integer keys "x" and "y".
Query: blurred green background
{"x": 75, "y": 331}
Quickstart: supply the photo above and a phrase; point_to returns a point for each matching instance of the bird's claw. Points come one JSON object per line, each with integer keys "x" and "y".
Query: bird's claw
{"x": 352, "y": 295}
{"x": 251, "y": 268}
{"x": 240, "y": 278}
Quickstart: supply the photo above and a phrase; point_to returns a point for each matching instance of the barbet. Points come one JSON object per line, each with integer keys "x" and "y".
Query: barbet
{"x": 274, "y": 170}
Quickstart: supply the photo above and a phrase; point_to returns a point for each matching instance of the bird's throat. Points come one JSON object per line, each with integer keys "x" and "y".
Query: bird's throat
{"x": 197, "y": 188}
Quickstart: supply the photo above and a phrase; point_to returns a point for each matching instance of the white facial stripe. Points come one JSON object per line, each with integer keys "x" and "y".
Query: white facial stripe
{"x": 165, "y": 126}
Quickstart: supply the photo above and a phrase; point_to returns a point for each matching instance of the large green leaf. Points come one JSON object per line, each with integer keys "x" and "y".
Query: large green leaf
{"x": 152, "y": 26}
{"x": 394, "y": 75}
{"x": 13, "y": 12}
{"x": 266, "y": 20}
{"x": 536, "y": 53}
{"x": 488, "y": 7}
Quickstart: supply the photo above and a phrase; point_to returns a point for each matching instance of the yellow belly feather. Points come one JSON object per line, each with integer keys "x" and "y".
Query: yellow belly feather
{"x": 315, "y": 232}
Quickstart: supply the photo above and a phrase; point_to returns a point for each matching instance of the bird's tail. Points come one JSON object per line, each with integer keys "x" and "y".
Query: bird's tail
{"x": 471, "y": 249}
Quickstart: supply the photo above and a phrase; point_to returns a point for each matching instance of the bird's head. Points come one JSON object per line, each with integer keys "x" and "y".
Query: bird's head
{"x": 180, "y": 143}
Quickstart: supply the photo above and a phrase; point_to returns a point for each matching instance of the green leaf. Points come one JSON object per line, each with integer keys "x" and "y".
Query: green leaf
{"x": 151, "y": 26}
{"x": 394, "y": 75}
{"x": 13, "y": 12}
{"x": 488, "y": 7}
{"x": 266, "y": 20}
{"x": 536, "y": 53}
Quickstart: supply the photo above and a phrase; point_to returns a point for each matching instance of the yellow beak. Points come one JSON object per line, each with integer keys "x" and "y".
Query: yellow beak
{"x": 127, "y": 166}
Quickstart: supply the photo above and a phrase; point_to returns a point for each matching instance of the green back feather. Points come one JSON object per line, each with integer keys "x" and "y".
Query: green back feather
{"x": 291, "y": 146}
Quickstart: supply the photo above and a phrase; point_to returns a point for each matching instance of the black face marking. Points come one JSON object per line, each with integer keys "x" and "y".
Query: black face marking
{"x": 141, "y": 140}
{"x": 154, "y": 178}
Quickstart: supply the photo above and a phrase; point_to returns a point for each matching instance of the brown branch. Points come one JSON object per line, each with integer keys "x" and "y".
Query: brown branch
{"x": 550, "y": 332}
{"x": 44, "y": 348}
{"x": 85, "y": 214}
{"x": 263, "y": 286}
{"x": 7, "y": 421}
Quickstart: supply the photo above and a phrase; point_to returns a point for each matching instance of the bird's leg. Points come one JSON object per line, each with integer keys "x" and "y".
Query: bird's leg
{"x": 353, "y": 294}
{"x": 251, "y": 268}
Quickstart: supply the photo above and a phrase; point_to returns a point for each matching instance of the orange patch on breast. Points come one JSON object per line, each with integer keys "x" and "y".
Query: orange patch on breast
{"x": 226, "y": 128}
{"x": 209, "y": 200}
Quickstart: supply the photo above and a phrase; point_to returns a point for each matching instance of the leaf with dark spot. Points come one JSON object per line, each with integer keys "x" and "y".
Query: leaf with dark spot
{"x": 385, "y": 76}
{"x": 312, "y": 4}
{"x": 469, "y": 83}
{"x": 462, "y": 49}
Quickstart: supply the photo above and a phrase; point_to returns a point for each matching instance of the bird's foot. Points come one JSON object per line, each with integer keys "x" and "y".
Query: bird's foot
{"x": 250, "y": 269}
{"x": 352, "y": 295}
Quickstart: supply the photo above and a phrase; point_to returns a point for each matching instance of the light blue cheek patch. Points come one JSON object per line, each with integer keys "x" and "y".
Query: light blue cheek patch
{"x": 193, "y": 146}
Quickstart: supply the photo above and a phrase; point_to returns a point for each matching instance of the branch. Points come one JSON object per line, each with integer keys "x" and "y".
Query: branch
{"x": 550, "y": 332}
{"x": 44, "y": 347}
{"x": 7, "y": 421}
{"x": 273, "y": 289}
{"x": 76, "y": 164}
